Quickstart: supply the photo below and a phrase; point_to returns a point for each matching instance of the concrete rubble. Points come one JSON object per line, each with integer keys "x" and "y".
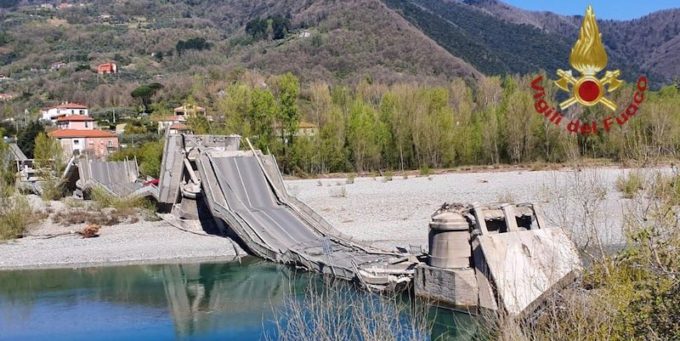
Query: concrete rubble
{"x": 495, "y": 257}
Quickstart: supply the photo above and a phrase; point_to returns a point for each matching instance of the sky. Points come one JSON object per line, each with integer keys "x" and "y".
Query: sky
{"x": 604, "y": 9}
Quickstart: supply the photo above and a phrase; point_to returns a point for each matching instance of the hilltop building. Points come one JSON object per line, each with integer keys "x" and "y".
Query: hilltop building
{"x": 63, "y": 110}
{"x": 189, "y": 110}
{"x": 5, "y": 97}
{"x": 107, "y": 68}
{"x": 164, "y": 123}
{"x": 176, "y": 123}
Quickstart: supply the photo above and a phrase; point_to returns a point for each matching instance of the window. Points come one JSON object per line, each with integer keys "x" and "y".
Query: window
{"x": 110, "y": 143}
{"x": 76, "y": 142}
{"x": 86, "y": 124}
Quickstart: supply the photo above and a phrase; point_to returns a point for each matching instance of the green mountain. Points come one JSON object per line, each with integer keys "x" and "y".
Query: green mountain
{"x": 50, "y": 49}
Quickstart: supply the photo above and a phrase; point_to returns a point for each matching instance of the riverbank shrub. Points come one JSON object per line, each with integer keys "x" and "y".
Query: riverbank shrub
{"x": 15, "y": 216}
{"x": 336, "y": 311}
{"x": 629, "y": 184}
{"x": 123, "y": 207}
{"x": 628, "y": 295}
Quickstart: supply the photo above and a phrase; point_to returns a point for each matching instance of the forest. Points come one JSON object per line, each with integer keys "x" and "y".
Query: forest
{"x": 406, "y": 126}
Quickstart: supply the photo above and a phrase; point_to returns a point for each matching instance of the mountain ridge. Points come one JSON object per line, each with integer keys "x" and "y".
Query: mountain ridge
{"x": 48, "y": 53}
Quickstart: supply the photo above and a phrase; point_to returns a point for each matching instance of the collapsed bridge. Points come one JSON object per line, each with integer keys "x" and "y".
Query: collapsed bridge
{"x": 245, "y": 194}
{"x": 493, "y": 257}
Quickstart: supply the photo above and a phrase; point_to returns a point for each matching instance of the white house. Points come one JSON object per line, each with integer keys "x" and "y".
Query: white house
{"x": 63, "y": 110}
{"x": 164, "y": 123}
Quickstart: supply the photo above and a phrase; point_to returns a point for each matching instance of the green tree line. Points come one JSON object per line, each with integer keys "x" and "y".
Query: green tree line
{"x": 371, "y": 127}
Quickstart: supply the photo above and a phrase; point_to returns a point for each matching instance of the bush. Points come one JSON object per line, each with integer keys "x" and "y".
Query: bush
{"x": 632, "y": 294}
{"x": 629, "y": 185}
{"x": 198, "y": 44}
{"x": 15, "y": 215}
{"x": 149, "y": 155}
{"x": 52, "y": 188}
{"x": 104, "y": 199}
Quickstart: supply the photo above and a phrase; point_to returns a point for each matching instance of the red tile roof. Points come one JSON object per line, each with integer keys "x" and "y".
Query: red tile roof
{"x": 78, "y": 133}
{"x": 70, "y": 106}
{"x": 178, "y": 126}
{"x": 79, "y": 118}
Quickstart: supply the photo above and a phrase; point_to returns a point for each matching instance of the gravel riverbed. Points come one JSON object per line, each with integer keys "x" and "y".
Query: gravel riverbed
{"x": 385, "y": 212}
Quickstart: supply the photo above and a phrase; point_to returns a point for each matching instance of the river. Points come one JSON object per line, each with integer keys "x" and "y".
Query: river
{"x": 246, "y": 300}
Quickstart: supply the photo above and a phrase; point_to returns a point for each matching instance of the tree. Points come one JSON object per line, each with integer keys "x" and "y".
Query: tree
{"x": 151, "y": 155}
{"x": 289, "y": 88}
{"x": 233, "y": 107}
{"x": 262, "y": 117}
{"x": 333, "y": 153}
{"x": 198, "y": 44}
{"x": 277, "y": 25}
{"x": 280, "y": 26}
{"x": 145, "y": 92}
{"x": 7, "y": 170}
{"x": 47, "y": 152}
{"x": 26, "y": 137}
{"x": 49, "y": 161}
{"x": 363, "y": 133}
{"x": 257, "y": 28}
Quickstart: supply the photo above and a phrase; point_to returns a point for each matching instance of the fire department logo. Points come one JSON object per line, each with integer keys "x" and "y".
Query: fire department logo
{"x": 590, "y": 86}
{"x": 588, "y": 57}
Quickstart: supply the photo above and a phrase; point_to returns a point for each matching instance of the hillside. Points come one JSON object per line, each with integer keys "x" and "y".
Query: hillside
{"x": 49, "y": 50}
{"x": 649, "y": 45}
{"x": 49, "y": 53}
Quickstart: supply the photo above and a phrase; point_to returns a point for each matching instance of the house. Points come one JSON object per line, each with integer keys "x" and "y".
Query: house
{"x": 120, "y": 128}
{"x": 4, "y": 97}
{"x": 80, "y": 122}
{"x": 164, "y": 123}
{"x": 64, "y": 109}
{"x": 107, "y": 68}
{"x": 57, "y": 66}
{"x": 178, "y": 128}
{"x": 304, "y": 129}
{"x": 189, "y": 110}
{"x": 78, "y": 135}
{"x": 307, "y": 129}
{"x": 94, "y": 142}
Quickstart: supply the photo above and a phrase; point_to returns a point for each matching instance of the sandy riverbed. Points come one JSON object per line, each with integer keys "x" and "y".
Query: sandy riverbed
{"x": 387, "y": 213}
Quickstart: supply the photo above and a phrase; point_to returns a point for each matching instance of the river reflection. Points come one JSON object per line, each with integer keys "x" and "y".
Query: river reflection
{"x": 223, "y": 301}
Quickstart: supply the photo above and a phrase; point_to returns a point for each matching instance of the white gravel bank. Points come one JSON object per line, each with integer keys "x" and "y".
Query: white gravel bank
{"x": 143, "y": 242}
{"x": 397, "y": 212}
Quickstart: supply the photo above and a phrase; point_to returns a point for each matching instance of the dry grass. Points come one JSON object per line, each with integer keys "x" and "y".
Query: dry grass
{"x": 102, "y": 217}
{"x": 339, "y": 312}
{"x": 130, "y": 208}
{"x": 630, "y": 184}
{"x": 505, "y": 197}
{"x": 15, "y": 216}
{"x": 626, "y": 295}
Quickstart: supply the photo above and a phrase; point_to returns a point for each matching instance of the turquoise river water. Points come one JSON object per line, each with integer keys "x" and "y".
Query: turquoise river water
{"x": 246, "y": 300}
